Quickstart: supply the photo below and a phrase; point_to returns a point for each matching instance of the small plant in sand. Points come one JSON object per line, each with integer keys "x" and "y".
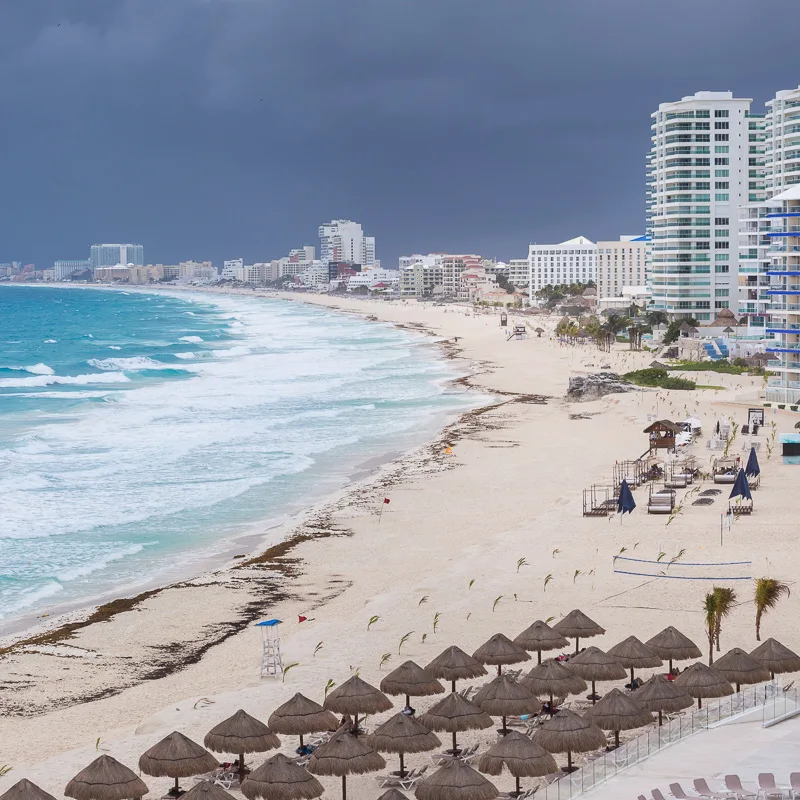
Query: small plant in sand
{"x": 556, "y": 552}
{"x": 768, "y": 592}
{"x": 521, "y": 562}
{"x": 424, "y": 637}
{"x": 203, "y": 702}
{"x": 372, "y": 620}
{"x": 403, "y": 640}
{"x": 436, "y": 617}
{"x": 423, "y": 599}
{"x": 575, "y": 575}
{"x": 287, "y": 668}
{"x": 328, "y": 686}
{"x": 5, "y": 769}
{"x": 547, "y": 580}
{"x": 470, "y": 584}
{"x": 496, "y": 601}
{"x": 385, "y": 658}
{"x": 317, "y": 649}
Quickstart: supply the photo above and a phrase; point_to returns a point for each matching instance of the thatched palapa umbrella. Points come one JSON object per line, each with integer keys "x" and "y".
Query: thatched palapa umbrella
{"x": 553, "y": 678}
{"x": 522, "y": 757}
{"x": 455, "y": 781}
{"x": 661, "y": 695}
{"x": 539, "y": 638}
{"x": 453, "y": 664}
{"x": 106, "y": 779}
{"x": 777, "y": 658}
{"x": 568, "y": 733}
{"x": 26, "y": 790}
{"x": 402, "y": 734}
{"x": 279, "y": 778}
{"x": 176, "y": 756}
{"x": 500, "y": 650}
{"x": 355, "y": 696}
{"x": 633, "y": 654}
{"x": 618, "y": 712}
{"x": 673, "y": 645}
{"x": 503, "y": 697}
{"x": 392, "y": 794}
{"x": 241, "y": 734}
{"x": 344, "y": 754}
{"x": 411, "y": 680}
{"x": 740, "y": 667}
{"x": 700, "y": 681}
{"x": 576, "y": 625}
{"x": 454, "y": 714}
{"x": 207, "y": 790}
{"x": 594, "y": 665}
{"x": 300, "y": 716}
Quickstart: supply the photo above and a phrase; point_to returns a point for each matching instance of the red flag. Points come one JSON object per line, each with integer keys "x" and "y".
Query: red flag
{"x": 301, "y": 618}
{"x": 386, "y": 501}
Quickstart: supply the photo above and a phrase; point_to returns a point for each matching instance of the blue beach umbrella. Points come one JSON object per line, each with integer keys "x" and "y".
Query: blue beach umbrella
{"x": 625, "y": 503}
{"x": 741, "y": 488}
{"x": 752, "y": 469}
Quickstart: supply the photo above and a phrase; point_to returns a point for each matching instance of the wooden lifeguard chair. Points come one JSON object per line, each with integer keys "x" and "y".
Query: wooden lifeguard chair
{"x": 662, "y": 435}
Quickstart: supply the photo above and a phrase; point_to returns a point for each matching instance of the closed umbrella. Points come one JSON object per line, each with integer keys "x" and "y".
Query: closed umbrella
{"x": 594, "y": 665}
{"x": 520, "y": 756}
{"x": 241, "y": 734}
{"x": 740, "y": 488}
{"x": 740, "y": 667}
{"x": 776, "y": 657}
{"x": 633, "y": 654}
{"x": 700, "y": 681}
{"x": 402, "y": 734}
{"x": 176, "y": 756}
{"x": 355, "y": 696}
{"x": 454, "y": 714}
{"x": 625, "y": 501}
{"x": 576, "y": 625}
{"x": 503, "y": 697}
{"x": 300, "y": 716}
{"x": 26, "y": 790}
{"x": 568, "y": 733}
{"x": 752, "y": 469}
{"x": 553, "y": 678}
{"x": 411, "y": 680}
{"x": 618, "y": 712}
{"x": 453, "y": 664}
{"x": 342, "y": 755}
{"x": 106, "y": 779}
{"x": 539, "y": 638}
{"x": 661, "y": 695}
{"x": 279, "y": 778}
{"x": 500, "y": 650}
{"x": 673, "y": 645}
{"x": 455, "y": 781}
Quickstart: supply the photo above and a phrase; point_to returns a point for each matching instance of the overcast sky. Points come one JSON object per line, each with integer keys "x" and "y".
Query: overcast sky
{"x": 212, "y": 129}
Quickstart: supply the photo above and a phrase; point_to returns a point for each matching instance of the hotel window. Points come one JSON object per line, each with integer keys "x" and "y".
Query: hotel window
{"x": 721, "y": 173}
{"x": 720, "y": 113}
{"x": 721, "y": 148}
{"x": 722, "y": 185}
{"x": 721, "y": 137}
{"x": 722, "y": 197}
{"x": 721, "y": 221}
{"x": 721, "y": 126}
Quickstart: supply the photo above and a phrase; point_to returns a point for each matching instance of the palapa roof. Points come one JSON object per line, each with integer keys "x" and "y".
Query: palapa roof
{"x": 279, "y": 778}
{"x": 345, "y": 754}
{"x": 26, "y": 790}
{"x": 503, "y": 697}
{"x": 455, "y": 781}
{"x": 618, "y": 712}
{"x": 540, "y": 637}
{"x": 241, "y": 733}
{"x": 176, "y": 756}
{"x": 739, "y": 667}
{"x": 550, "y": 677}
{"x": 522, "y": 757}
{"x": 410, "y": 678}
{"x": 453, "y": 664}
{"x": 392, "y": 794}
{"x": 454, "y": 714}
{"x": 698, "y": 680}
{"x": 299, "y": 716}
{"x": 663, "y": 425}
{"x": 577, "y": 625}
{"x": 776, "y": 657}
{"x": 356, "y": 696}
{"x": 593, "y": 664}
{"x": 631, "y": 652}
{"x": 566, "y": 731}
{"x": 659, "y": 694}
{"x": 207, "y": 790}
{"x": 499, "y": 649}
{"x": 402, "y": 734}
{"x": 671, "y": 643}
{"x": 106, "y": 779}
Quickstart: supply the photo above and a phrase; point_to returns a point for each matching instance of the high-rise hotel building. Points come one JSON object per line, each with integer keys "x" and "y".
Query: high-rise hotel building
{"x": 697, "y": 179}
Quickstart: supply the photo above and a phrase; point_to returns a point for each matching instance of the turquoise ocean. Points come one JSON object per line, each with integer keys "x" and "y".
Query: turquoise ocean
{"x": 141, "y": 433}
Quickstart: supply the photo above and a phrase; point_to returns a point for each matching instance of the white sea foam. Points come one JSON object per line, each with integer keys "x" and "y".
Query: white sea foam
{"x": 35, "y": 369}
{"x": 114, "y": 347}
{"x": 63, "y": 380}
{"x": 126, "y": 364}
{"x": 230, "y": 352}
{"x": 191, "y": 339}
{"x": 50, "y": 341}
{"x": 87, "y": 568}
{"x": 185, "y": 356}
{"x": 27, "y": 598}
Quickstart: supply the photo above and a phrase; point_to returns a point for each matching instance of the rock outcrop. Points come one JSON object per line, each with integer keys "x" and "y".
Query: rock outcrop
{"x": 593, "y": 387}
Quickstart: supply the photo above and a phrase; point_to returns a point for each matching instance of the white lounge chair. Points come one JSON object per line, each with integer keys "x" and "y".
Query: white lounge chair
{"x": 702, "y": 788}
{"x": 676, "y": 790}
{"x": 767, "y": 786}
{"x": 734, "y": 784}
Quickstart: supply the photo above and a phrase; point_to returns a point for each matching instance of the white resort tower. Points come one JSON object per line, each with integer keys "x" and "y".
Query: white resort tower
{"x": 572, "y": 261}
{"x": 697, "y": 179}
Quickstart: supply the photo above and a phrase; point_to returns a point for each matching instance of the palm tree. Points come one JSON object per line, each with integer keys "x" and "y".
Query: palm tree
{"x": 726, "y": 600}
{"x": 710, "y": 608}
{"x": 718, "y": 603}
{"x": 768, "y": 592}
{"x": 657, "y": 318}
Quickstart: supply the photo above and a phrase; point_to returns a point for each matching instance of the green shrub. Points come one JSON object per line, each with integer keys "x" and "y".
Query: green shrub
{"x": 657, "y": 378}
{"x": 781, "y": 405}
{"x": 723, "y": 365}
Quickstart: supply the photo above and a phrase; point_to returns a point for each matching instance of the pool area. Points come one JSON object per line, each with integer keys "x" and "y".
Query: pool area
{"x": 790, "y": 447}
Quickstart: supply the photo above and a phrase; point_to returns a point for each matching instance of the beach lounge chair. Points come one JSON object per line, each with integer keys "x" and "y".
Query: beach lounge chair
{"x": 657, "y": 794}
{"x": 794, "y": 783}
{"x": 767, "y": 786}
{"x": 395, "y": 780}
{"x": 410, "y": 781}
{"x": 676, "y": 790}
{"x": 702, "y": 788}
{"x": 734, "y": 784}
{"x": 468, "y": 753}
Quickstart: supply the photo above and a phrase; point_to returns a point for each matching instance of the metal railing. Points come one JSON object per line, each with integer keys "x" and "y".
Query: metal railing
{"x": 776, "y": 703}
{"x": 781, "y": 705}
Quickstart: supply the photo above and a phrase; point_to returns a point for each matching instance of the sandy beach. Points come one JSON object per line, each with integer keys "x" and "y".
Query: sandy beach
{"x": 483, "y": 539}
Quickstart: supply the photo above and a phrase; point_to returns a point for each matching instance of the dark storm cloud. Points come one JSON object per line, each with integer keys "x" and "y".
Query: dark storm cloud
{"x": 212, "y": 128}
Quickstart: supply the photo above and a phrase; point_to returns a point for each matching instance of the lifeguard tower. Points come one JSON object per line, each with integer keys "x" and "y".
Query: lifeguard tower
{"x": 271, "y": 660}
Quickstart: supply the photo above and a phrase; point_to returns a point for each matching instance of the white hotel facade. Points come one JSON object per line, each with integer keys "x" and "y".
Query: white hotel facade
{"x": 572, "y": 261}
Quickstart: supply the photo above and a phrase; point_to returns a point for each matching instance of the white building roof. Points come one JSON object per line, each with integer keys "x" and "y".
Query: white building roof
{"x": 578, "y": 240}
{"x": 792, "y": 193}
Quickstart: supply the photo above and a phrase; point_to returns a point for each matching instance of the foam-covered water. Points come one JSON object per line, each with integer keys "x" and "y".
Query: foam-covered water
{"x": 141, "y": 431}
